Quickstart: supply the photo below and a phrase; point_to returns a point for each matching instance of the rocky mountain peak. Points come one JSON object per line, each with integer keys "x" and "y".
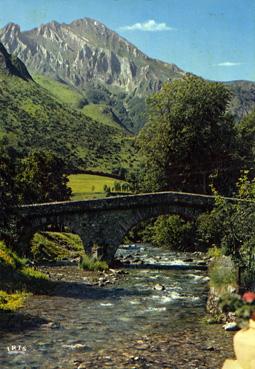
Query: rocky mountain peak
{"x": 12, "y": 28}
{"x": 86, "y": 52}
{"x": 11, "y": 65}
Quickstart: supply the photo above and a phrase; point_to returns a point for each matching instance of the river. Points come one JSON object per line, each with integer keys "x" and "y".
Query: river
{"x": 126, "y": 325}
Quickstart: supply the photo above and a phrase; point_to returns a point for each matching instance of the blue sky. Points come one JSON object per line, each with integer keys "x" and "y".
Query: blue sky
{"x": 211, "y": 38}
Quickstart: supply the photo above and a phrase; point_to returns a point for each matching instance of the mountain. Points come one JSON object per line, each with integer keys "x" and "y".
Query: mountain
{"x": 12, "y": 65}
{"x": 31, "y": 118}
{"x": 102, "y": 69}
{"x": 243, "y": 101}
{"x": 87, "y": 51}
{"x": 91, "y": 58}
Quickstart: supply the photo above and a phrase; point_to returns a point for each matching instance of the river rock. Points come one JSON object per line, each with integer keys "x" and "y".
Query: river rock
{"x": 201, "y": 262}
{"x": 82, "y": 366}
{"x": 159, "y": 287}
{"x": 51, "y": 325}
{"x": 232, "y": 326}
{"x": 77, "y": 347}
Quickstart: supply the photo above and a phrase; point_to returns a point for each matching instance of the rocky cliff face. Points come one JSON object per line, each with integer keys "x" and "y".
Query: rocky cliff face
{"x": 86, "y": 54}
{"x": 11, "y": 65}
{"x": 87, "y": 51}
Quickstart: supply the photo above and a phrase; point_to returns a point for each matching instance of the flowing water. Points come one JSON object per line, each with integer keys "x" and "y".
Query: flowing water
{"x": 89, "y": 319}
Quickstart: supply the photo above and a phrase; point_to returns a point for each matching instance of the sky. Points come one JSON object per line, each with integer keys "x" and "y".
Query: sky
{"x": 211, "y": 38}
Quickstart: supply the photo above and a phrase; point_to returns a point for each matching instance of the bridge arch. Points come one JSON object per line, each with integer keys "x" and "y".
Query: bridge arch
{"x": 120, "y": 223}
{"x": 105, "y": 222}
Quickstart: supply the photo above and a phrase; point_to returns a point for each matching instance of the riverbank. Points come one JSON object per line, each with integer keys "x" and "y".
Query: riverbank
{"x": 87, "y": 321}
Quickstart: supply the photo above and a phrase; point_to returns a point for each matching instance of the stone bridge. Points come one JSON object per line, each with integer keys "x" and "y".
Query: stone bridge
{"x": 105, "y": 222}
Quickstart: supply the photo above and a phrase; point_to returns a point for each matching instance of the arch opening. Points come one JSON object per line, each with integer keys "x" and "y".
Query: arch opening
{"x": 54, "y": 242}
{"x": 172, "y": 231}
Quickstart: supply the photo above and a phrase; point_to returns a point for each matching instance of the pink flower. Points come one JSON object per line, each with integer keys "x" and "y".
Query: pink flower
{"x": 249, "y": 297}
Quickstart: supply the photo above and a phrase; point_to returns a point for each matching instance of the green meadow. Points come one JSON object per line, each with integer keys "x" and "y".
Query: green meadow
{"x": 88, "y": 186}
{"x": 62, "y": 92}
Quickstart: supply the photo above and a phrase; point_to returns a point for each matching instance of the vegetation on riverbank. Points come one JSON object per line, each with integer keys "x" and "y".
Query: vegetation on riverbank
{"x": 90, "y": 263}
{"x": 12, "y": 301}
{"x": 54, "y": 246}
{"x": 17, "y": 279}
{"x": 223, "y": 274}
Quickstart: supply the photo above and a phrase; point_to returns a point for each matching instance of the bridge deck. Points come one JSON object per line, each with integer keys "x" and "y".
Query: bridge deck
{"x": 191, "y": 200}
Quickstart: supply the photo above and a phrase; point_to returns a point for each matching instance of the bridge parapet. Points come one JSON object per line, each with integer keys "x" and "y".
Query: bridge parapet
{"x": 121, "y": 202}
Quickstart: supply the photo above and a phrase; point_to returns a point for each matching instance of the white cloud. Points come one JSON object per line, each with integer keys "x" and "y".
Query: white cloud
{"x": 228, "y": 64}
{"x": 148, "y": 26}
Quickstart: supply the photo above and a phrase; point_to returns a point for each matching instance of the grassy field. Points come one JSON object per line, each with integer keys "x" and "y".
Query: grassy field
{"x": 70, "y": 96}
{"x": 61, "y": 91}
{"x": 87, "y": 186}
{"x": 102, "y": 114}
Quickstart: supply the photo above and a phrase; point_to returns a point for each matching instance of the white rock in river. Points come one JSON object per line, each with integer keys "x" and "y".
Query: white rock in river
{"x": 159, "y": 287}
{"x": 232, "y": 326}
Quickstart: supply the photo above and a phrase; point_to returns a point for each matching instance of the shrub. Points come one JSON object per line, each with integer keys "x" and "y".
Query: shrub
{"x": 92, "y": 264}
{"x": 214, "y": 252}
{"x": 223, "y": 273}
{"x": 11, "y": 302}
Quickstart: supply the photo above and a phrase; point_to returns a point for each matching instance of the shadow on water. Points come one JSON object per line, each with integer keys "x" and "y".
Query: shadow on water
{"x": 81, "y": 291}
{"x": 19, "y": 322}
{"x": 164, "y": 267}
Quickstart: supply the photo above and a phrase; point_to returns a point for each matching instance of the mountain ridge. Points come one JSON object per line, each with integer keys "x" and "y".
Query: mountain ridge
{"x": 84, "y": 51}
{"x": 105, "y": 67}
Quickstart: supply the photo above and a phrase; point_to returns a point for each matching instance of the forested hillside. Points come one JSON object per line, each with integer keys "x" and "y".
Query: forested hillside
{"x": 32, "y": 119}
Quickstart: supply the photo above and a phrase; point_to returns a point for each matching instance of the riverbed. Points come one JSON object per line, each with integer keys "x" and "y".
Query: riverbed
{"x": 149, "y": 318}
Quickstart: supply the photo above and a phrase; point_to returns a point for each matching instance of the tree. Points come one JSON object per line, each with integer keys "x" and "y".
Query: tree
{"x": 8, "y": 194}
{"x": 42, "y": 178}
{"x": 173, "y": 232}
{"x": 189, "y": 139}
{"x": 246, "y": 132}
{"x": 231, "y": 225}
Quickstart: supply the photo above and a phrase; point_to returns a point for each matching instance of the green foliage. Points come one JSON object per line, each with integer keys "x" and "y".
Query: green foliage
{"x": 39, "y": 177}
{"x": 92, "y": 264}
{"x": 239, "y": 227}
{"x": 223, "y": 273}
{"x": 137, "y": 111}
{"x": 214, "y": 252}
{"x": 231, "y": 225}
{"x": 31, "y": 119}
{"x": 189, "y": 140}
{"x": 42, "y": 178}
{"x": 61, "y": 91}
{"x": 209, "y": 230}
{"x": 97, "y": 95}
{"x": 115, "y": 109}
{"x": 173, "y": 232}
{"x": 142, "y": 232}
{"x": 8, "y": 195}
{"x": 13, "y": 301}
{"x": 53, "y": 246}
{"x": 103, "y": 114}
{"x": 16, "y": 275}
{"x": 107, "y": 191}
